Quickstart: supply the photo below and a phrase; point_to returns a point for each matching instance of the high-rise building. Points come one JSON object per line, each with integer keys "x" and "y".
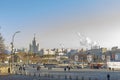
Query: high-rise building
{"x": 34, "y": 47}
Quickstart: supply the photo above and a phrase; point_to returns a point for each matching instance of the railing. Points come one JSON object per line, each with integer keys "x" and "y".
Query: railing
{"x": 59, "y": 74}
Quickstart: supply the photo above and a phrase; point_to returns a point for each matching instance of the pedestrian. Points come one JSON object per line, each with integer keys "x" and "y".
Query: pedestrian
{"x": 9, "y": 70}
{"x": 108, "y": 77}
{"x": 20, "y": 69}
{"x": 68, "y": 68}
{"x": 38, "y": 68}
{"x": 24, "y": 68}
{"x": 65, "y": 69}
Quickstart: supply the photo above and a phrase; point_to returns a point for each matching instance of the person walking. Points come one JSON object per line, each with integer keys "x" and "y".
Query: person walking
{"x": 65, "y": 69}
{"x": 68, "y": 68}
{"x": 9, "y": 70}
{"x": 108, "y": 77}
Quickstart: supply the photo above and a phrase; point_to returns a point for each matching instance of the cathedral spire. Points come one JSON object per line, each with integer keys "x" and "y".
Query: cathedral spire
{"x": 34, "y": 36}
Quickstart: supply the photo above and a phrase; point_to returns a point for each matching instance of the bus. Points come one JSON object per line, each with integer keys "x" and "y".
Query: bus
{"x": 113, "y": 65}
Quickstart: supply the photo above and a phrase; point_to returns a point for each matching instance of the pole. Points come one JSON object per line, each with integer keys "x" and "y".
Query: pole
{"x": 12, "y": 51}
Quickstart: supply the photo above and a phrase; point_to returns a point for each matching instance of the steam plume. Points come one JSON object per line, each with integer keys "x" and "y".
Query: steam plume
{"x": 86, "y": 41}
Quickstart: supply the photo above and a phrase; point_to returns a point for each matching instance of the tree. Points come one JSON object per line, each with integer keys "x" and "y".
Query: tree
{"x": 2, "y": 45}
{"x": 2, "y": 49}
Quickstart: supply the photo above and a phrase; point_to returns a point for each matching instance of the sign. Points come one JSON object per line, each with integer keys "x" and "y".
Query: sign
{"x": 117, "y": 56}
{"x": 76, "y": 57}
{"x": 103, "y": 57}
{"x": 89, "y": 58}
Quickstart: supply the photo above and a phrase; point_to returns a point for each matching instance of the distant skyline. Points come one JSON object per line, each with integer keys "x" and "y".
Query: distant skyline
{"x": 57, "y": 22}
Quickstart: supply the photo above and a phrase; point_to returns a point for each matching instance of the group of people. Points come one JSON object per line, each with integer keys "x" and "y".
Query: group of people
{"x": 67, "y": 68}
{"x": 21, "y": 68}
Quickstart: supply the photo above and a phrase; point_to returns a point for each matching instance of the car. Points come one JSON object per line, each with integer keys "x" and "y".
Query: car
{"x": 103, "y": 67}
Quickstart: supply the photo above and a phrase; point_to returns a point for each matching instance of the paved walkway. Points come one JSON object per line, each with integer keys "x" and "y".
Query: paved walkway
{"x": 59, "y": 74}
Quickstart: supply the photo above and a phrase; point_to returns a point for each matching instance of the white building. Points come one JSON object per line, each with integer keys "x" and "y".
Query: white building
{"x": 47, "y": 52}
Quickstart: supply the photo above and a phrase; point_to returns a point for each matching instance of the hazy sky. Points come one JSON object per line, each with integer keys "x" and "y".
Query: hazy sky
{"x": 57, "y": 22}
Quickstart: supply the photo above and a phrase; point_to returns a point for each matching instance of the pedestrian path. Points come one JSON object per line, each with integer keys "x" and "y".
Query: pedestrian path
{"x": 59, "y": 74}
{"x": 53, "y": 77}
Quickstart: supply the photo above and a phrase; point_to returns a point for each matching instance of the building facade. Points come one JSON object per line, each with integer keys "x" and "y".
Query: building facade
{"x": 34, "y": 47}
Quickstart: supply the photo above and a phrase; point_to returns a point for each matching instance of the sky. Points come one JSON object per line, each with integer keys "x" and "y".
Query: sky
{"x": 56, "y": 22}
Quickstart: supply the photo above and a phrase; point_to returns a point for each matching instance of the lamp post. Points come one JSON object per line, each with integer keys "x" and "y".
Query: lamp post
{"x": 12, "y": 49}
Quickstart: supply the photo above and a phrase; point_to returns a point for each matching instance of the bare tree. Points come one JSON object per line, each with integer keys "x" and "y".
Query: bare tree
{"x": 2, "y": 45}
{"x": 2, "y": 49}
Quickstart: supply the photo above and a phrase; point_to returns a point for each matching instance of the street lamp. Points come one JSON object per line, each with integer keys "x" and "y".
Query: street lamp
{"x": 12, "y": 47}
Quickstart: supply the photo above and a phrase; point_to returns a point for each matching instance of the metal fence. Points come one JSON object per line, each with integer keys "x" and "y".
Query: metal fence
{"x": 53, "y": 76}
